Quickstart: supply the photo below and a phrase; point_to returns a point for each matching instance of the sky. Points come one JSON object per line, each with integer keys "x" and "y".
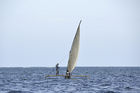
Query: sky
{"x": 39, "y": 33}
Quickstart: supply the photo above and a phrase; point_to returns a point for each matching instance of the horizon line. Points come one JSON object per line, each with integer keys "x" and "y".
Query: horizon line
{"x": 59, "y": 66}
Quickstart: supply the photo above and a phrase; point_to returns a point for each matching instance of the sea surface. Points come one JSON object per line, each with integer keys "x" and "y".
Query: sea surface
{"x": 99, "y": 80}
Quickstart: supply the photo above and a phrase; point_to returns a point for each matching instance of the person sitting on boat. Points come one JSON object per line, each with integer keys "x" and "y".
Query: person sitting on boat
{"x": 67, "y": 75}
{"x": 57, "y": 69}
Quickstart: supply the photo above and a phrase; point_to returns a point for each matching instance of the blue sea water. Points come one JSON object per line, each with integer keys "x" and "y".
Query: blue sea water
{"x": 100, "y": 80}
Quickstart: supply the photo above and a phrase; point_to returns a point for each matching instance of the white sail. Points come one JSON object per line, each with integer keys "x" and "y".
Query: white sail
{"x": 73, "y": 55}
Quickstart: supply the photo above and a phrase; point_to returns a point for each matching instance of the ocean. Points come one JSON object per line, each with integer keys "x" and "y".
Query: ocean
{"x": 99, "y": 80}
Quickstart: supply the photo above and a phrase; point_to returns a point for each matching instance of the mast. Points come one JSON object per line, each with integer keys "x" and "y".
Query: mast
{"x": 73, "y": 55}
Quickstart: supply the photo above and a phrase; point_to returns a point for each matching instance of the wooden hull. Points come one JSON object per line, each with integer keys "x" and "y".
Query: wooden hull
{"x": 64, "y": 76}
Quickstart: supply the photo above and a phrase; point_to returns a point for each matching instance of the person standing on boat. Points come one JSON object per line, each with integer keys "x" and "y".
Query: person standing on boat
{"x": 57, "y": 69}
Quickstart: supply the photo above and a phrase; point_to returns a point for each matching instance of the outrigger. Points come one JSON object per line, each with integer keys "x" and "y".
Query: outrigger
{"x": 73, "y": 55}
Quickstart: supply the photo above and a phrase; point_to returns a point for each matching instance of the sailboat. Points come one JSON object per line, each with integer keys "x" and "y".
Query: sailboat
{"x": 73, "y": 55}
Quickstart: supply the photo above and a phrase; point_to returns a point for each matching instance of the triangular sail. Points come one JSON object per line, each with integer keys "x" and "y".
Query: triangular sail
{"x": 73, "y": 55}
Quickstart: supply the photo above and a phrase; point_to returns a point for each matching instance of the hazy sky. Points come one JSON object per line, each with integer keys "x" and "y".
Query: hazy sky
{"x": 40, "y": 32}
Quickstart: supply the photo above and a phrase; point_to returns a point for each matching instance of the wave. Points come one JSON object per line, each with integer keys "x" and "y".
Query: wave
{"x": 18, "y": 91}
